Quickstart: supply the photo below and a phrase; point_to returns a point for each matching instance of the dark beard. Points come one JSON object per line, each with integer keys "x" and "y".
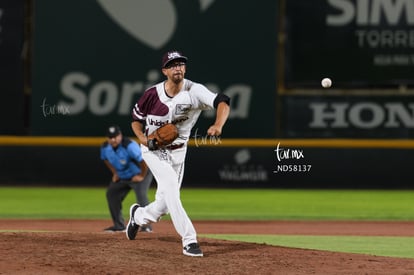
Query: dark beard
{"x": 177, "y": 78}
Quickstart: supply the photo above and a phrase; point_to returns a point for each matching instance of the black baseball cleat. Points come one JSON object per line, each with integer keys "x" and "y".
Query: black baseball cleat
{"x": 193, "y": 250}
{"x": 132, "y": 227}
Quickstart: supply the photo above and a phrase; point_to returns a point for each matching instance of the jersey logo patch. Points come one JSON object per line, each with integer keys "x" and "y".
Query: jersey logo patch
{"x": 181, "y": 109}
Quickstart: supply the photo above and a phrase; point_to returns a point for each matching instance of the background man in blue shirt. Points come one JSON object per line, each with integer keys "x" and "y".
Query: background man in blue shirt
{"x": 129, "y": 171}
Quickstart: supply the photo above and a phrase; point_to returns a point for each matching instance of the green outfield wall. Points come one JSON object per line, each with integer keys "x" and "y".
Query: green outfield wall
{"x": 81, "y": 73}
{"x": 268, "y": 56}
{"x": 90, "y": 69}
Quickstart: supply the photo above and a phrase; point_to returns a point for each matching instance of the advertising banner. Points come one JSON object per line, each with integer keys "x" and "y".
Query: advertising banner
{"x": 284, "y": 166}
{"x": 348, "y": 117}
{"x": 11, "y": 66}
{"x": 360, "y": 44}
{"x": 278, "y": 166}
{"x": 94, "y": 59}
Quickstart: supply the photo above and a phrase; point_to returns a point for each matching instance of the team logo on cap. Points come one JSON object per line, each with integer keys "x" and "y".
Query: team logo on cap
{"x": 173, "y": 55}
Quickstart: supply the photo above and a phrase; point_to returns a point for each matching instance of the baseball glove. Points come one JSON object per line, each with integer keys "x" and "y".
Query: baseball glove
{"x": 163, "y": 136}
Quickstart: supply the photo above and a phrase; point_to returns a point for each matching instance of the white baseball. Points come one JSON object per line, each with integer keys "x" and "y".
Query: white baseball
{"x": 326, "y": 82}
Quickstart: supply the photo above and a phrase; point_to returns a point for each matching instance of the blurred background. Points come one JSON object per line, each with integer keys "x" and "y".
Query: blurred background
{"x": 69, "y": 68}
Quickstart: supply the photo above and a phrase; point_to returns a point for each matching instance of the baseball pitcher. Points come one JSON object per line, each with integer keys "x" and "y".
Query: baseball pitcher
{"x": 176, "y": 101}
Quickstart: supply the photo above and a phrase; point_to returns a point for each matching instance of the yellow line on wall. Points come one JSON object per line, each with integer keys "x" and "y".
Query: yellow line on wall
{"x": 201, "y": 142}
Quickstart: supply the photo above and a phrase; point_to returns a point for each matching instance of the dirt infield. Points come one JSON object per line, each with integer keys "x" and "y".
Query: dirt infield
{"x": 80, "y": 247}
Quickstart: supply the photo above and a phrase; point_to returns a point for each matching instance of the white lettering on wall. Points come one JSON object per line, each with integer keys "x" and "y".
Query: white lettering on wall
{"x": 83, "y": 94}
{"x": 363, "y": 115}
{"x": 370, "y": 12}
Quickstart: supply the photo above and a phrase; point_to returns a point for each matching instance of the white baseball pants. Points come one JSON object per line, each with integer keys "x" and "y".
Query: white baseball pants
{"x": 167, "y": 166}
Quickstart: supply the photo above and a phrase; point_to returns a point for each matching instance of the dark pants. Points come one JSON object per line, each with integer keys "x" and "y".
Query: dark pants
{"x": 117, "y": 191}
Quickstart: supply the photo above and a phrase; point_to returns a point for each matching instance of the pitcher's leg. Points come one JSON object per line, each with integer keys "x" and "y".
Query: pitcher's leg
{"x": 168, "y": 200}
{"x": 153, "y": 211}
{"x": 179, "y": 217}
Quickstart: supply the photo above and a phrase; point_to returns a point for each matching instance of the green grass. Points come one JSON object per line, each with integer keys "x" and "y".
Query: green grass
{"x": 402, "y": 247}
{"x": 240, "y": 204}
{"x": 259, "y": 204}
{"x": 56, "y": 203}
{"x": 218, "y": 204}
